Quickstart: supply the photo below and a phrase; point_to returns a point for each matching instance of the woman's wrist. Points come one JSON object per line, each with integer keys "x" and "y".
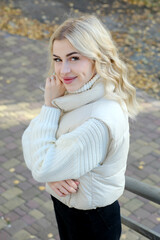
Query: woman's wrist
{"x": 48, "y": 105}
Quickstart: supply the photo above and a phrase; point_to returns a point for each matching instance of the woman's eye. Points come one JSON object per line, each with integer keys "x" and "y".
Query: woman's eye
{"x": 56, "y": 59}
{"x": 74, "y": 58}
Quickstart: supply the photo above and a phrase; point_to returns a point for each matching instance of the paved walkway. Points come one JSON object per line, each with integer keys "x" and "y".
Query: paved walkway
{"x": 26, "y": 210}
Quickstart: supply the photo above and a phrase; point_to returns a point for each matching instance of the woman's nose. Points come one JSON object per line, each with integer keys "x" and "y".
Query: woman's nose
{"x": 65, "y": 68}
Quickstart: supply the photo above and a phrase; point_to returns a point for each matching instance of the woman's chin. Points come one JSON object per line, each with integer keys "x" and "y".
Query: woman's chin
{"x": 72, "y": 89}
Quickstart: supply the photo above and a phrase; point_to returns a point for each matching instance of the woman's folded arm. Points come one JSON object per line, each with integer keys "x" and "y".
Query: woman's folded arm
{"x": 68, "y": 157}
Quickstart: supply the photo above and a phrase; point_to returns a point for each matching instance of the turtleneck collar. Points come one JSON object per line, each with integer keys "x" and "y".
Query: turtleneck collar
{"x": 90, "y": 92}
{"x": 86, "y": 86}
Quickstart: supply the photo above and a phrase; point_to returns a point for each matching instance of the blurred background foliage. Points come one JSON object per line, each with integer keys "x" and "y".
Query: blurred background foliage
{"x": 137, "y": 44}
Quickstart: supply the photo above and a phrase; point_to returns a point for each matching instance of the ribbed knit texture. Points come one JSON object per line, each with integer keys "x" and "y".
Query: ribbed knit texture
{"x": 71, "y": 156}
{"x": 88, "y": 85}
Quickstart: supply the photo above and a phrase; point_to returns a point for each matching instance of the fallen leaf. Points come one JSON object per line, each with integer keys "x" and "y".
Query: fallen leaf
{"x": 50, "y": 235}
{"x": 41, "y": 188}
{"x": 12, "y": 169}
{"x": 140, "y": 167}
{"x": 16, "y": 182}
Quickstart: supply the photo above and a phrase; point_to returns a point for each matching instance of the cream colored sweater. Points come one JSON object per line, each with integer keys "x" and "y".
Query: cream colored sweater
{"x": 87, "y": 138}
{"x": 70, "y": 156}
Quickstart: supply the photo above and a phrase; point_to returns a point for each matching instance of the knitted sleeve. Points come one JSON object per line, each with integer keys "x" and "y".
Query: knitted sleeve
{"x": 68, "y": 157}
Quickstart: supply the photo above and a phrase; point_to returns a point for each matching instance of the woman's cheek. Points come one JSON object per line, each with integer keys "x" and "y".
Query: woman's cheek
{"x": 56, "y": 69}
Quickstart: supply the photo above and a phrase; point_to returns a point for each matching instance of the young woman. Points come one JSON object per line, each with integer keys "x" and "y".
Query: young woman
{"x": 78, "y": 144}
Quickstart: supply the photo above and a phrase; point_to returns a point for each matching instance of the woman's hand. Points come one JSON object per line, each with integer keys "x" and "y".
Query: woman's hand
{"x": 65, "y": 187}
{"x": 53, "y": 88}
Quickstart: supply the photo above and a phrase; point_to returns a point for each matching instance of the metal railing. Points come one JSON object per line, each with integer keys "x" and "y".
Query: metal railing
{"x": 148, "y": 192}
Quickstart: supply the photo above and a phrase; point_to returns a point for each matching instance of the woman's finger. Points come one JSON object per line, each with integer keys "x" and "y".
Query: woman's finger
{"x": 71, "y": 183}
{"x": 62, "y": 186}
{"x": 65, "y": 187}
{"x": 59, "y": 193}
{"x": 70, "y": 188}
{"x": 55, "y": 187}
{"x": 63, "y": 190}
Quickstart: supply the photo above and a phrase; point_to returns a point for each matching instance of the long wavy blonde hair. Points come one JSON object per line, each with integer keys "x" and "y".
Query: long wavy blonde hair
{"x": 88, "y": 35}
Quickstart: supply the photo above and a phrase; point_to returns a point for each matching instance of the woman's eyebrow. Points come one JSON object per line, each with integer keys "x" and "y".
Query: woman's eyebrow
{"x": 69, "y": 54}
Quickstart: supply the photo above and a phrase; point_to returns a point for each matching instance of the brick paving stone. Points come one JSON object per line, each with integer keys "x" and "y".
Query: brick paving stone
{"x": 28, "y": 219}
{"x": 36, "y": 214}
{"x": 32, "y": 204}
{"x": 19, "y": 211}
{"x": 148, "y": 181}
{"x": 2, "y": 178}
{"x": 133, "y": 204}
{"x": 150, "y": 208}
{"x": 141, "y": 174}
{"x": 45, "y": 211}
{"x": 48, "y": 205}
{"x": 148, "y": 159}
{"x": 129, "y": 195}
{"x": 30, "y": 193}
{"x": 157, "y": 140}
{"x": 155, "y": 164}
{"x": 16, "y": 226}
{"x": 142, "y": 213}
{"x": 130, "y": 235}
{"x": 43, "y": 222}
{"x": 12, "y": 193}
{"x": 13, "y": 203}
{"x": 123, "y": 199}
{"x": 50, "y": 216}
{"x": 137, "y": 155}
{"x": 31, "y": 230}
{"x": 39, "y": 201}
{"x": 21, "y": 235}
{"x": 157, "y": 228}
{"x": 5, "y": 235}
{"x": 12, "y": 153}
{"x": 3, "y": 159}
{"x": 3, "y": 209}
{"x": 24, "y": 207}
{"x": 2, "y": 200}
{"x": 150, "y": 169}
{"x": 1, "y": 190}
{"x": 157, "y": 206}
{"x": 127, "y": 234}
{"x": 2, "y": 223}
{"x": 154, "y": 217}
{"x": 7, "y": 174}
{"x": 12, "y": 216}
{"x": 154, "y": 178}
{"x": 125, "y": 212}
{"x": 148, "y": 223}
{"x": 11, "y": 163}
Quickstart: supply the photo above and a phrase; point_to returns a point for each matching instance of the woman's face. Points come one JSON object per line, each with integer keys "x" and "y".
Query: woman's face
{"x": 72, "y": 68}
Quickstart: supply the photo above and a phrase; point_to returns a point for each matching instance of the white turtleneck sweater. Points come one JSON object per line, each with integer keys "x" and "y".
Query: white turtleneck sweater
{"x": 72, "y": 154}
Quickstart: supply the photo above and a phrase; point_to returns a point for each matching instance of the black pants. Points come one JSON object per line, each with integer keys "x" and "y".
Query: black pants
{"x": 98, "y": 224}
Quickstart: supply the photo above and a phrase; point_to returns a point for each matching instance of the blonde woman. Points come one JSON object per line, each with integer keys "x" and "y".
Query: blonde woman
{"x": 78, "y": 144}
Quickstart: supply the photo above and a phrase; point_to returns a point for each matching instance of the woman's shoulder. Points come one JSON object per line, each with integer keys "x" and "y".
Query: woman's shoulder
{"x": 108, "y": 106}
{"x": 111, "y": 113}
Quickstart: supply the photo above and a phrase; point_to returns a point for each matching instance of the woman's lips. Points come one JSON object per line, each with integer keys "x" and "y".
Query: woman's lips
{"x": 69, "y": 80}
